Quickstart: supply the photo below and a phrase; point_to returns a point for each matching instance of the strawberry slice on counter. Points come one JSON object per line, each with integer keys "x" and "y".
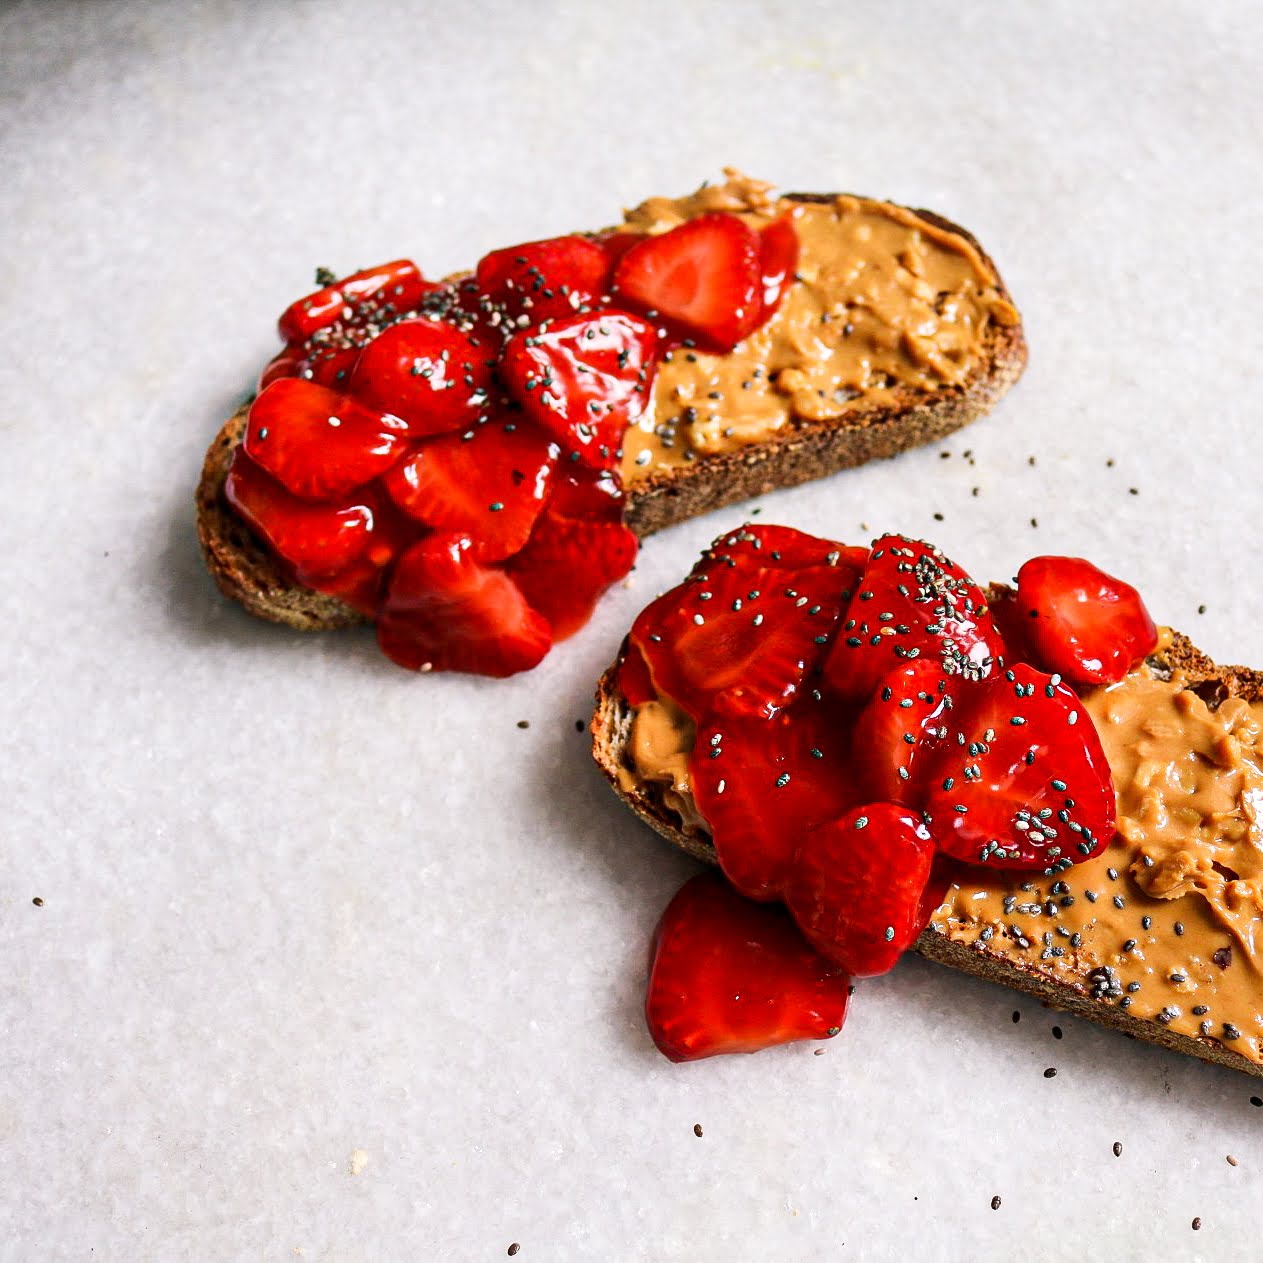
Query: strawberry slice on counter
{"x": 314, "y": 538}
{"x": 762, "y": 784}
{"x": 778, "y": 259}
{"x": 583, "y": 379}
{"x": 755, "y": 615}
{"x": 911, "y": 602}
{"x": 578, "y": 547}
{"x": 445, "y": 611}
{"x": 489, "y": 483}
{"x": 909, "y": 714}
{"x": 1022, "y": 781}
{"x": 427, "y": 372}
{"x": 318, "y": 443}
{"x": 544, "y": 280}
{"x": 1082, "y": 622}
{"x": 857, "y": 884}
{"x": 703, "y": 280}
{"x": 378, "y": 294}
{"x": 731, "y": 976}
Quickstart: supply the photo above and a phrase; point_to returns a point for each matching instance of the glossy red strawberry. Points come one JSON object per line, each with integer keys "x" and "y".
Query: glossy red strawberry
{"x": 445, "y": 611}
{"x": 318, "y": 443}
{"x": 778, "y": 259}
{"x": 761, "y": 784}
{"x": 374, "y": 295}
{"x": 314, "y": 538}
{"x": 740, "y": 634}
{"x": 909, "y": 714}
{"x": 329, "y": 365}
{"x": 1022, "y": 782}
{"x": 544, "y": 280}
{"x": 428, "y": 373}
{"x": 1082, "y": 622}
{"x": 730, "y": 976}
{"x": 633, "y": 679}
{"x": 702, "y": 279}
{"x": 856, "y": 886}
{"x": 578, "y": 547}
{"x": 911, "y": 602}
{"x": 489, "y": 483}
{"x": 583, "y": 379}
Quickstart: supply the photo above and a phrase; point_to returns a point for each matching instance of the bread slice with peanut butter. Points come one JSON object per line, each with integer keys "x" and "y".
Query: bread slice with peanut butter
{"x": 897, "y": 331}
{"x": 1160, "y": 937}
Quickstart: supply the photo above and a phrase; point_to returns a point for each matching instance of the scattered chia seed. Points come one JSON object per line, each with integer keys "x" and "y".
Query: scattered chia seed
{"x": 697, "y": 1129}
{"x": 523, "y": 723}
{"x": 1118, "y": 1148}
{"x": 995, "y": 1202}
{"x": 1051, "y": 1072}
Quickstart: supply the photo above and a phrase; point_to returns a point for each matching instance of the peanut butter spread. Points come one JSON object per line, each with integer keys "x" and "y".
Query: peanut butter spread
{"x": 1167, "y": 924}
{"x": 882, "y": 299}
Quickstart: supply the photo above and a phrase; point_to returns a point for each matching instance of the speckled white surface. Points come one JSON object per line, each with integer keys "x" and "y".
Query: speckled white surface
{"x": 338, "y": 963}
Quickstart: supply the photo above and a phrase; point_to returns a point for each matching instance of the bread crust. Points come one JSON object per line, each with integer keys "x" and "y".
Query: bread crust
{"x": 246, "y": 572}
{"x": 610, "y": 728}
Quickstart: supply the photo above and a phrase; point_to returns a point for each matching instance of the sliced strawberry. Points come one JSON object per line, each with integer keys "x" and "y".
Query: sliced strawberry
{"x": 909, "y": 713}
{"x": 360, "y": 585}
{"x": 778, "y": 254}
{"x": 444, "y": 611}
{"x": 761, "y": 784}
{"x": 579, "y": 546}
{"x": 489, "y": 483}
{"x": 377, "y": 295}
{"x": 702, "y": 279}
{"x": 857, "y": 884}
{"x": 318, "y": 443}
{"x": 543, "y": 280}
{"x": 426, "y": 372}
{"x": 583, "y": 379}
{"x": 730, "y": 976}
{"x": 314, "y": 538}
{"x": 325, "y": 365}
{"x": 1082, "y": 622}
{"x": 617, "y": 244}
{"x": 911, "y": 602}
{"x": 1022, "y": 782}
{"x": 633, "y": 679}
{"x": 742, "y": 631}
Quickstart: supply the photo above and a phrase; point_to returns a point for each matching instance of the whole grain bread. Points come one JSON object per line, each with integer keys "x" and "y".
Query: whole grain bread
{"x": 611, "y": 728}
{"x": 245, "y": 571}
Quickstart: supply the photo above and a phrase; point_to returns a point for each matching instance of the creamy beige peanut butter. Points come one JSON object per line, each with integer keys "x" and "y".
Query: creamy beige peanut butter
{"x": 883, "y": 299}
{"x": 1168, "y": 922}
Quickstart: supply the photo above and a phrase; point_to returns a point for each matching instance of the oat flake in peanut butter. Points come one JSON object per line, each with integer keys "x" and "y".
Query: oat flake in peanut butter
{"x": 883, "y": 299}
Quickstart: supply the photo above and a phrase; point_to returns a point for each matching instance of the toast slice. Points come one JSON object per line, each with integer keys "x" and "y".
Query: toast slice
{"x": 873, "y": 424}
{"x": 1024, "y": 929}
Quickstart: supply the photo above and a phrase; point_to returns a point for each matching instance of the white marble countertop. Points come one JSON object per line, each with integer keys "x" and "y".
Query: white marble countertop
{"x": 337, "y": 963}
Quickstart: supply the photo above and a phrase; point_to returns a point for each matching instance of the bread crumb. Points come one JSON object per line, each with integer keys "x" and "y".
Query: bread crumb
{"x": 38, "y": 902}
{"x": 1232, "y": 1162}
{"x": 359, "y": 1160}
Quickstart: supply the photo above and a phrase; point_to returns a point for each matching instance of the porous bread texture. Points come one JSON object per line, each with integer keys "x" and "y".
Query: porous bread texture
{"x": 611, "y": 730}
{"x": 246, "y": 572}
